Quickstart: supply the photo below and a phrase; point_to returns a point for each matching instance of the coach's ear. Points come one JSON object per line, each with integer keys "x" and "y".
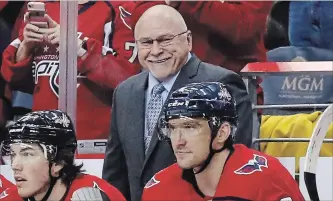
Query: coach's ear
{"x": 56, "y": 168}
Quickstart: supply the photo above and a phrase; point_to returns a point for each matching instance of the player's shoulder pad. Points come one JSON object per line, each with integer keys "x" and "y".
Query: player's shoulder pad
{"x": 164, "y": 177}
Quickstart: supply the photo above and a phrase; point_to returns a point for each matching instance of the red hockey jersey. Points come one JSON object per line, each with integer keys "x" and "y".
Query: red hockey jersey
{"x": 5, "y": 184}
{"x": 247, "y": 175}
{"x": 85, "y": 187}
{"x": 99, "y": 72}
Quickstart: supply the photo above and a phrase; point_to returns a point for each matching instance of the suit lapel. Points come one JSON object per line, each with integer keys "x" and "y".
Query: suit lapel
{"x": 186, "y": 74}
{"x": 138, "y": 115}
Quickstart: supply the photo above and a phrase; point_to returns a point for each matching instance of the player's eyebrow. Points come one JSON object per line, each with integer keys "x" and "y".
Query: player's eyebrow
{"x": 193, "y": 122}
{"x": 27, "y": 149}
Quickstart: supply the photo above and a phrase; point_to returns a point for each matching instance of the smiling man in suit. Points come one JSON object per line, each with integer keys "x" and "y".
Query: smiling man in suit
{"x": 134, "y": 153}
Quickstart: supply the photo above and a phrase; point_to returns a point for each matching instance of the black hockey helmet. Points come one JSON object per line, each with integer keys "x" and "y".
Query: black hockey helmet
{"x": 210, "y": 100}
{"x": 52, "y": 128}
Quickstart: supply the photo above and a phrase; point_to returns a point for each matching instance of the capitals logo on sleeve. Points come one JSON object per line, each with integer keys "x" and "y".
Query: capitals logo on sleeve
{"x": 125, "y": 16}
{"x": 152, "y": 182}
{"x": 254, "y": 165}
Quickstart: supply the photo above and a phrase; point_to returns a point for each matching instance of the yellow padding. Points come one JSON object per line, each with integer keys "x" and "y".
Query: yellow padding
{"x": 292, "y": 126}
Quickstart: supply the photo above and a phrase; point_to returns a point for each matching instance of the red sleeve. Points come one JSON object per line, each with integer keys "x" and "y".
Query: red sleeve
{"x": 105, "y": 70}
{"x": 109, "y": 66}
{"x": 236, "y": 21}
{"x": 17, "y": 74}
{"x": 282, "y": 186}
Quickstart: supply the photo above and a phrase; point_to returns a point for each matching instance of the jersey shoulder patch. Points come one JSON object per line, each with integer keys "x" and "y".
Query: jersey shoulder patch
{"x": 253, "y": 165}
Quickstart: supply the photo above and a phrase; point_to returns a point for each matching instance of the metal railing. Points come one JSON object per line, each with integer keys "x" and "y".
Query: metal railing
{"x": 250, "y": 80}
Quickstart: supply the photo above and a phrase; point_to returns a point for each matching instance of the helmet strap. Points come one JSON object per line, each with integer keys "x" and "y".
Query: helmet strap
{"x": 211, "y": 154}
{"x": 53, "y": 181}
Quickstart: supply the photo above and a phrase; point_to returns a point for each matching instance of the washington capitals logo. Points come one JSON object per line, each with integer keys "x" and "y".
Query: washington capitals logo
{"x": 125, "y": 16}
{"x": 253, "y": 165}
{"x": 152, "y": 182}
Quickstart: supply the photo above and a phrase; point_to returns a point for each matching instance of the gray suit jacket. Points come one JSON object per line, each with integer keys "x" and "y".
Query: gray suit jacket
{"x": 125, "y": 165}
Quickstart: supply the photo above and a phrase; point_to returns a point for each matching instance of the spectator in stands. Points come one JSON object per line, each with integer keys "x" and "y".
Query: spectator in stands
{"x": 311, "y": 24}
{"x": 310, "y": 33}
{"x": 226, "y": 34}
{"x": 276, "y": 34}
{"x": 133, "y": 154}
{"x": 101, "y": 68}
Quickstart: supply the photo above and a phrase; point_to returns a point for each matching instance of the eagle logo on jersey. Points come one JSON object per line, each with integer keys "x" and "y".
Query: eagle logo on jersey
{"x": 152, "y": 182}
{"x": 254, "y": 165}
{"x": 125, "y": 16}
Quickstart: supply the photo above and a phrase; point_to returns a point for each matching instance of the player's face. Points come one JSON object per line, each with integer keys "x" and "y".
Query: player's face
{"x": 190, "y": 139}
{"x": 169, "y": 53}
{"x": 31, "y": 169}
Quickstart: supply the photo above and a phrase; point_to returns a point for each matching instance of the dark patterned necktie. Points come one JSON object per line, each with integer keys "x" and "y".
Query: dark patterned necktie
{"x": 155, "y": 105}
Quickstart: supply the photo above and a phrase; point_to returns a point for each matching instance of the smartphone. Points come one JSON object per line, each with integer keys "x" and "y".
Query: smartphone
{"x": 36, "y": 12}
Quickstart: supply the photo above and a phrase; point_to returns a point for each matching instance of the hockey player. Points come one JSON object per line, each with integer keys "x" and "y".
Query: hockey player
{"x": 40, "y": 148}
{"x": 200, "y": 121}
